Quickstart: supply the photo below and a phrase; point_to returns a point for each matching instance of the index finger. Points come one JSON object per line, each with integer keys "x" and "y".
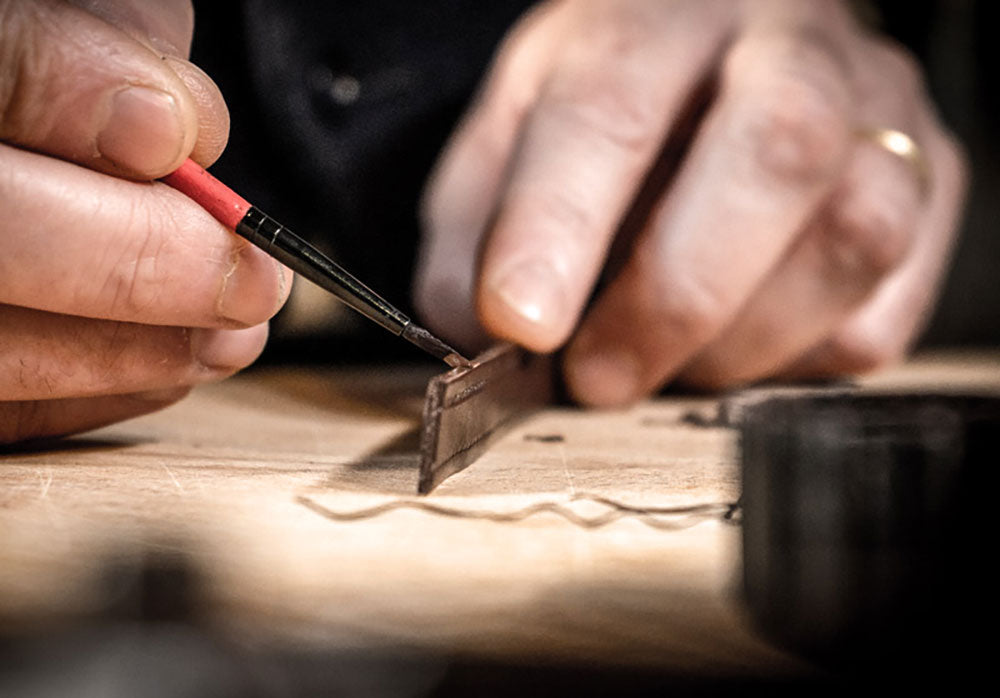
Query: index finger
{"x": 584, "y": 149}
{"x": 79, "y": 242}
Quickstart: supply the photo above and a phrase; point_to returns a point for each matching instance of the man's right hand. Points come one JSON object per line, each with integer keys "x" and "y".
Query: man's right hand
{"x": 117, "y": 293}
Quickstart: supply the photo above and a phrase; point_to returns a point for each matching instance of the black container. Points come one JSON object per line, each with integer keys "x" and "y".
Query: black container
{"x": 867, "y": 537}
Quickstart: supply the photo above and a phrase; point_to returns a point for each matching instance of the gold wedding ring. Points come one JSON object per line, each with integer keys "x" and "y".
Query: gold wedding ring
{"x": 903, "y": 146}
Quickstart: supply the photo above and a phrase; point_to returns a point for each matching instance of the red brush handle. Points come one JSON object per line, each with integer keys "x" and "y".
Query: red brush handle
{"x": 236, "y": 213}
{"x": 223, "y": 203}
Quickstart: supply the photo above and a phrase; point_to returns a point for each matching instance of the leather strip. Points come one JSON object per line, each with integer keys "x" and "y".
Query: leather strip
{"x": 467, "y": 409}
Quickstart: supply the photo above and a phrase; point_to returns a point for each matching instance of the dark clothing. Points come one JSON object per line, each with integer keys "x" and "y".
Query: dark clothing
{"x": 339, "y": 110}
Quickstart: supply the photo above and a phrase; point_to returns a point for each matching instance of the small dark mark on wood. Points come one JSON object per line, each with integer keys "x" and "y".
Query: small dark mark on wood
{"x": 694, "y": 418}
{"x": 545, "y": 438}
{"x": 702, "y": 420}
{"x": 735, "y": 512}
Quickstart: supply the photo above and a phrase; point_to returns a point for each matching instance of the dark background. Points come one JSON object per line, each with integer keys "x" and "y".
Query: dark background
{"x": 956, "y": 41}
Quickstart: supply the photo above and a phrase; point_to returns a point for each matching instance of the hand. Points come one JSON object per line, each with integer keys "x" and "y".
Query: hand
{"x": 116, "y": 293}
{"x": 782, "y": 244}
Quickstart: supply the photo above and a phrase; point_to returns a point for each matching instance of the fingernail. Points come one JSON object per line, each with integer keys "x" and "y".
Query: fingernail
{"x": 533, "y": 291}
{"x": 144, "y": 133}
{"x": 608, "y": 377}
{"x": 253, "y": 287}
{"x": 227, "y": 350}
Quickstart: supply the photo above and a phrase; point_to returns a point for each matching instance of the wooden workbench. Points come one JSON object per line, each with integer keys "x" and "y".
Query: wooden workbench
{"x": 242, "y": 479}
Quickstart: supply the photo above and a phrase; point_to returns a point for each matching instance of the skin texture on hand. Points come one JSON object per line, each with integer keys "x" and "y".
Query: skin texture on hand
{"x": 783, "y": 243}
{"x": 117, "y": 293}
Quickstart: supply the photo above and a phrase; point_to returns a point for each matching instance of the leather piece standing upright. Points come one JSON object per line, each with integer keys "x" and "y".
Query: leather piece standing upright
{"x": 468, "y": 408}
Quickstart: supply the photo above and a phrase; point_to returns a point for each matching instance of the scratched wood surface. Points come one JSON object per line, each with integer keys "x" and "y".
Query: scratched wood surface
{"x": 245, "y": 480}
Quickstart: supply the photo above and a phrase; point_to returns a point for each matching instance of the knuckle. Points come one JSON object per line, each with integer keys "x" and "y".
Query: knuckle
{"x": 33, "y": 69}
{"x": 622, "y": 31}
{"x": 134, "y": 280}
{"x": 614, "y": 120}
{"x": 792, "y": 131}
{"x": 109, "y": 349}
{"x": 868, "y": 235}
{"x": 685, "y": 308}
{"x": 790, "y": 112}
{"x": 565, "y": 214}
{"x": 605, "y": 111}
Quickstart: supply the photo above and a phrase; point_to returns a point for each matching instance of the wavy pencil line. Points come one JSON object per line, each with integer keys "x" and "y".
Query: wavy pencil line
{"x": 663, "y": 518}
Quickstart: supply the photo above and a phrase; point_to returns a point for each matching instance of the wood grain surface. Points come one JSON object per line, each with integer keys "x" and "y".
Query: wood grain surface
{"x": 245, "y": 480}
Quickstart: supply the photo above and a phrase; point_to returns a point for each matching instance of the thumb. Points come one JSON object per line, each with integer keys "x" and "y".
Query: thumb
{"x": 75, "y": 87}
{"x": 166, "y": 27}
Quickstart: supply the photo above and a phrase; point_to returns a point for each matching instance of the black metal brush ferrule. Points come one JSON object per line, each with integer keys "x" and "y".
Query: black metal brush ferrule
{"x": 304, "y": 259}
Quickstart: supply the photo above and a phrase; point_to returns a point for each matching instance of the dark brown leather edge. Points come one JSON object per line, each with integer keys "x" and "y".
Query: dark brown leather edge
{"x": 466, "y": 409}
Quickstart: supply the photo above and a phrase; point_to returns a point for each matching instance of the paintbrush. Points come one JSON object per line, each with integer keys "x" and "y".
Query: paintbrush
{"x": 247, "y": 221}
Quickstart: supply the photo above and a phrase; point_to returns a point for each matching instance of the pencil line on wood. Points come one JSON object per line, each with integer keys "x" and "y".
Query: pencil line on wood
{"x": 663, "y": 518}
